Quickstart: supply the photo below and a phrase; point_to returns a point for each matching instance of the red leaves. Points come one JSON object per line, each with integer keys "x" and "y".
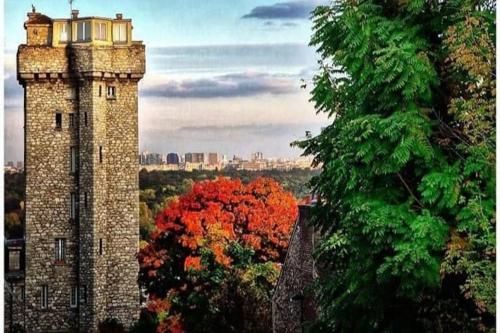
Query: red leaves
{"x": 158, "y": 305}
{"x": 208, "y": 219}
{"x": 225, "y": 210}
{"x": 172, "y": 324}
{"x": 193, "y": 263}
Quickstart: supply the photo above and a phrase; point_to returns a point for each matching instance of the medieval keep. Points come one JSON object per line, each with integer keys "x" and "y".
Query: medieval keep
{"x": 80, "y": 77}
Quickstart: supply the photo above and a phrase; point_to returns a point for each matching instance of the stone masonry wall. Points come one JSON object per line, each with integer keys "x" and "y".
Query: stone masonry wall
{"x": 42, "y": 59}
{"x": 13, "y": 304}
{"x": 122, "y": 233}
{"x": 292, "y": 303}
{"x": 113, "y": 59}
{"x": 39, "y": 34}
{"x": 49, "y": 184}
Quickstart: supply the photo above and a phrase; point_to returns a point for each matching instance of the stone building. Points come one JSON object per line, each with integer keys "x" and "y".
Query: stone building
{"x": 293, "y": 304}
{"x": 80, "y": 78}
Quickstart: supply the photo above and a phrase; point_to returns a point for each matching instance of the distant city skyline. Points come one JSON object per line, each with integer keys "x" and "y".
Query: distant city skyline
{"x": 229, "y": 155}
{"x": 190, "y": 161}
{"x": 206, "y": 88}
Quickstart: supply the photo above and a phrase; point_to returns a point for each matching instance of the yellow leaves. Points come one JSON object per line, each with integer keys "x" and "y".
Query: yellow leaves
{"x": 471, "y": 20}
{"x": 457, "y": 242}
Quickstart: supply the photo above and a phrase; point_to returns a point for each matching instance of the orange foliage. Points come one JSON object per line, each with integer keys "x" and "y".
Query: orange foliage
{"x": 158, "y": 305}
{"x": 193, "y": 263}
{"x": 172, "y": 324}
{"x": 260, "y": 214}
{"x": 212, "y": 216}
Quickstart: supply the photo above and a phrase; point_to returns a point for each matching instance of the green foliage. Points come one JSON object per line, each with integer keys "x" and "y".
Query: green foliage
{"x": 14, "y": 204}
{"x": 407, "y": 197}
{"x": 173, "y": 183}
{"x": 147, "y": 323}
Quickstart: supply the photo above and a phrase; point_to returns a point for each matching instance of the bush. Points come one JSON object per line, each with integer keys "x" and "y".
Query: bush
{"x": 146, "y": 324}
{"x": 111, "y": 325}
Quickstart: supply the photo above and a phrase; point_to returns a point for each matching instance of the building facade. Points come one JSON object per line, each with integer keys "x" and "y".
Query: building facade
{"x": 80, "y": 78}
{"x": 173, "y": 158}
{"x": 147, "y": 158}
{"x": 194, "y": 157}
{"x": 213, "y": 158}
{"x": 257, "y": 156}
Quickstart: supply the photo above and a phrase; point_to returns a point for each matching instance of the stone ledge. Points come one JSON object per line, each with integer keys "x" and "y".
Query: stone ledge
{"x": 105, "y": 76}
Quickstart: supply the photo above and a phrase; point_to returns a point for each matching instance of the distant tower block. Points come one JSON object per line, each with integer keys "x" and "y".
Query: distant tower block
{"x": 80, "y": 78}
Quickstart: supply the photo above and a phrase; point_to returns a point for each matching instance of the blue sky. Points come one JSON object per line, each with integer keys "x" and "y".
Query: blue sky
{"x": 221, "y": 75}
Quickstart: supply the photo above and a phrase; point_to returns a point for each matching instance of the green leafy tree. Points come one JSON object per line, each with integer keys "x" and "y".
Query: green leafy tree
{"x": 406, "y": 207}
{"x": 146, "y": 220}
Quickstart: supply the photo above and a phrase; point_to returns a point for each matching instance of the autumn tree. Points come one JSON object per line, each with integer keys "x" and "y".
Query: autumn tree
{"x": 213, "y": 259}
{"x": 407, "y": 188}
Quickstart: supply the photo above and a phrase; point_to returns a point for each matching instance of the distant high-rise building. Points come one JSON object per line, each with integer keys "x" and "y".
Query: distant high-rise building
{"x": 172, "y": 158}
{"x": 257, "y": 156}
{"x": 213, "y": 158}
{"x": 194, "y": 157}
{"x": 19, "y": 164}
{"x": 10, "y": 164}
{"x": 147, "y": 158}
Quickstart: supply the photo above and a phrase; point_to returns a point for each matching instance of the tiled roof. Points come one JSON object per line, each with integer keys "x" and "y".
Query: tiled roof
{"x": 37, "y": 18}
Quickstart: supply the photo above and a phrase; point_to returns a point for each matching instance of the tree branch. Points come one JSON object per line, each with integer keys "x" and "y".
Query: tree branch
{"x": 409, "y": 190}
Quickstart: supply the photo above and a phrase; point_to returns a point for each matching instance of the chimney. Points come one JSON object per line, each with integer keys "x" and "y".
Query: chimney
{"x": 74, "y": 14}
{"x": 119, "y": 16}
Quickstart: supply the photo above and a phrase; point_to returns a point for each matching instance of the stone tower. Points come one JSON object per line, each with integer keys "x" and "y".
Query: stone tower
{"x": 80, "y": 77}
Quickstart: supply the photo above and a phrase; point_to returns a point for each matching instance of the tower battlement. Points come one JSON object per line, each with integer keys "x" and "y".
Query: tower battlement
{"x": 80, "y": 80}
{"x": 87, "y": 46}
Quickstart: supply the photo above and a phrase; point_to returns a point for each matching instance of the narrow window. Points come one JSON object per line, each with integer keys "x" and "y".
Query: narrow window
{"x": 72, "y": 210}
{"x": 100, "y": 90}
{"x": 111, "y": 90}
{"x": 100, "y": 246}
{"x": 73, "y": 298}
{"x": 120, "y": 32}
{"x": 64, "y": 33}
{"x": 86, "y": 120}
{"x": 14, "y": 260}
{"x": 83, "y": 295}
{"x": 58, "y": 120}
{"x": 83, "y": 31}
{"x": 73, "y": 159}
{"x": 71, "y": 93}
{"x": 100, "y": 31}
{"x": 23, "y": 293}
{"x": 100, "y": 154}
{"x": 44, "y": 297}
{"x": 71, "y": 120}
{"x": 85, "y": 200}
{"x": 60, "y": 250}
